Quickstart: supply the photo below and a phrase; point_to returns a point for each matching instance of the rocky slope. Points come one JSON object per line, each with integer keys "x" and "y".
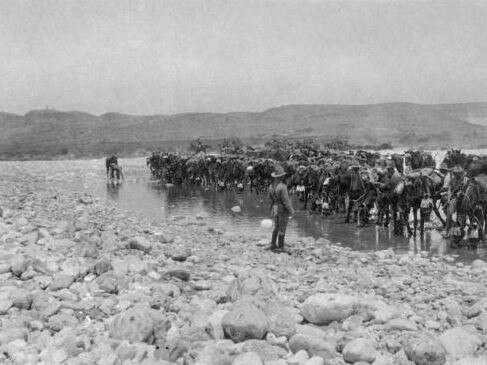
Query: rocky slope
{"x": 50, "y": 132}
{"x": 83, "y": 282}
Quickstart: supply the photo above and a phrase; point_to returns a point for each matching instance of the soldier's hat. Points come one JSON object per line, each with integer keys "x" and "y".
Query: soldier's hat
{"x": 278, "y": 171}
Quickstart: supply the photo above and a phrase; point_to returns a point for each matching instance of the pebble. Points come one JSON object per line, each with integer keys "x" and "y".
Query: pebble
{"x": 83, "y": 282}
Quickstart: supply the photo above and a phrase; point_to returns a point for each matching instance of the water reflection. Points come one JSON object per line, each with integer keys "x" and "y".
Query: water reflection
{"x": 113, "y": 190}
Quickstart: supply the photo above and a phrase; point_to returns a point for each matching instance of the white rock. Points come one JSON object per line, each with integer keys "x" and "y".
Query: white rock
{"x": 360, "y": 349}
{"x": 266, "y": 223}
{"x": 325, "y": 308}
{"x": 236, "y": 209}
{"x": 245, "y": 322}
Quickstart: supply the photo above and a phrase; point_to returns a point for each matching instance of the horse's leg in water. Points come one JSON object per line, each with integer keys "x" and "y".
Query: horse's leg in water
{"x": 380, "y": 212}
{"x": 415, "y": 218}
{"x": 405, "y": 218}
{"x": 422, "y": 216}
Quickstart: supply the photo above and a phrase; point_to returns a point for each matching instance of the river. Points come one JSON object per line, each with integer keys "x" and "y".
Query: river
{"x": 142, "y": 194}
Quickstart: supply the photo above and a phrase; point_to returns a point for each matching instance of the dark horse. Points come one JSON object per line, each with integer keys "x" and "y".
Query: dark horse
{"x": 472, "y": 204}
{"x": 113, "y": 169}
{"x": 416, "y": 187}
{"x": 355, "y": 188}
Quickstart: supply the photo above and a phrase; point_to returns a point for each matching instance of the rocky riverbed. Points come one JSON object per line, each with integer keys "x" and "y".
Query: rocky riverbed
{"x": 83, "y": 282}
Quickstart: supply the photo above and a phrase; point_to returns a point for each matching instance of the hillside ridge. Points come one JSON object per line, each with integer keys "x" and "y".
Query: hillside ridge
{"x": 77, "y": 133}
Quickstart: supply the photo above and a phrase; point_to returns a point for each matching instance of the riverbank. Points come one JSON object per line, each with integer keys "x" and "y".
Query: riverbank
{"x": 84, "y": 282}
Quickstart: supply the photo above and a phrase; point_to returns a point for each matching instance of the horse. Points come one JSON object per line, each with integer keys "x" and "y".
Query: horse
{"x": 114, "y": 171}
{"x": 472, "y": 204}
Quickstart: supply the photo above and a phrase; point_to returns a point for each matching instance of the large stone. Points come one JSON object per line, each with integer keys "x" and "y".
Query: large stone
{"x": 140, "y": 243}
{"x": 479, "y": 264}
{"x": 179, "y": 273}
{"x": 62, "y": 320}
{"x": 18, "y": 297}
{"x": 44, "y": 304}
{"x": 325, "y": 308}
{"x": 18, "y": 265}
{"x": 282, "y": 321}
{"x": 313, "y": 345}
{"x": 61, "y": 281}
{"x": 163, "y": 237}
{"x": 251, "y": 284}
{"x": 245, "y": 322}
{"x": 180, "y": 254}
{"x": 360, "y": 349}
{"x": 102, "y": 267}
{"x": 21, "y": 298}
{"x": 139, "y": 324}
{"x": 425, "y": 351}
{"x": 459, "y": 343}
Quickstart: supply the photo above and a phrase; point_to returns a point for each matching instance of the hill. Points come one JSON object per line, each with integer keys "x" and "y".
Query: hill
{"x": 43, "y": 133}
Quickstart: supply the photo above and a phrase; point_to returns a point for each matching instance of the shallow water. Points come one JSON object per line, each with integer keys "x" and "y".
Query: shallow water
{"x": 140, "y": 193}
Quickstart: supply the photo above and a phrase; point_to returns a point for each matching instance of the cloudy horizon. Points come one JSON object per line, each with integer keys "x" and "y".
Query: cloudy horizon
{"x": 168, "y": 57}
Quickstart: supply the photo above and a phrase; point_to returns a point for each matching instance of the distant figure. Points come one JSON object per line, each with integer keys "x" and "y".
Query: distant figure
{"x": 113, "y": 169}
{"x": 281, "y": 209}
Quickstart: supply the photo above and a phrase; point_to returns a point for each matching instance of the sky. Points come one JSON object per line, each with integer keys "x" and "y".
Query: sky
{"x": 167, "y": 57}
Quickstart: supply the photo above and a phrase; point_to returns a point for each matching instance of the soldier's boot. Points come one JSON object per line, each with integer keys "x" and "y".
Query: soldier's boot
{"x": 273, "y": 246}
{"x": 281, "y": 244}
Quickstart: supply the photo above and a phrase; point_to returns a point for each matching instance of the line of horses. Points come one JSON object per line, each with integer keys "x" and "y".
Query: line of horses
{"x": 364, "y": 185}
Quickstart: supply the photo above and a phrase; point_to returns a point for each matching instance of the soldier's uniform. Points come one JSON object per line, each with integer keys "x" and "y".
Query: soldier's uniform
{"x": 281, "y": 209}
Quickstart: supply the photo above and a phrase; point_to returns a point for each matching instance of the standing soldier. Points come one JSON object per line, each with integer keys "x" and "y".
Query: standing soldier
{"x": 281, "y": 208}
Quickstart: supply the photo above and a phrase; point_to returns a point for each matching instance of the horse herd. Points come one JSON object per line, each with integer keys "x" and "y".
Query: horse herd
{"x": 365, "y": 185}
